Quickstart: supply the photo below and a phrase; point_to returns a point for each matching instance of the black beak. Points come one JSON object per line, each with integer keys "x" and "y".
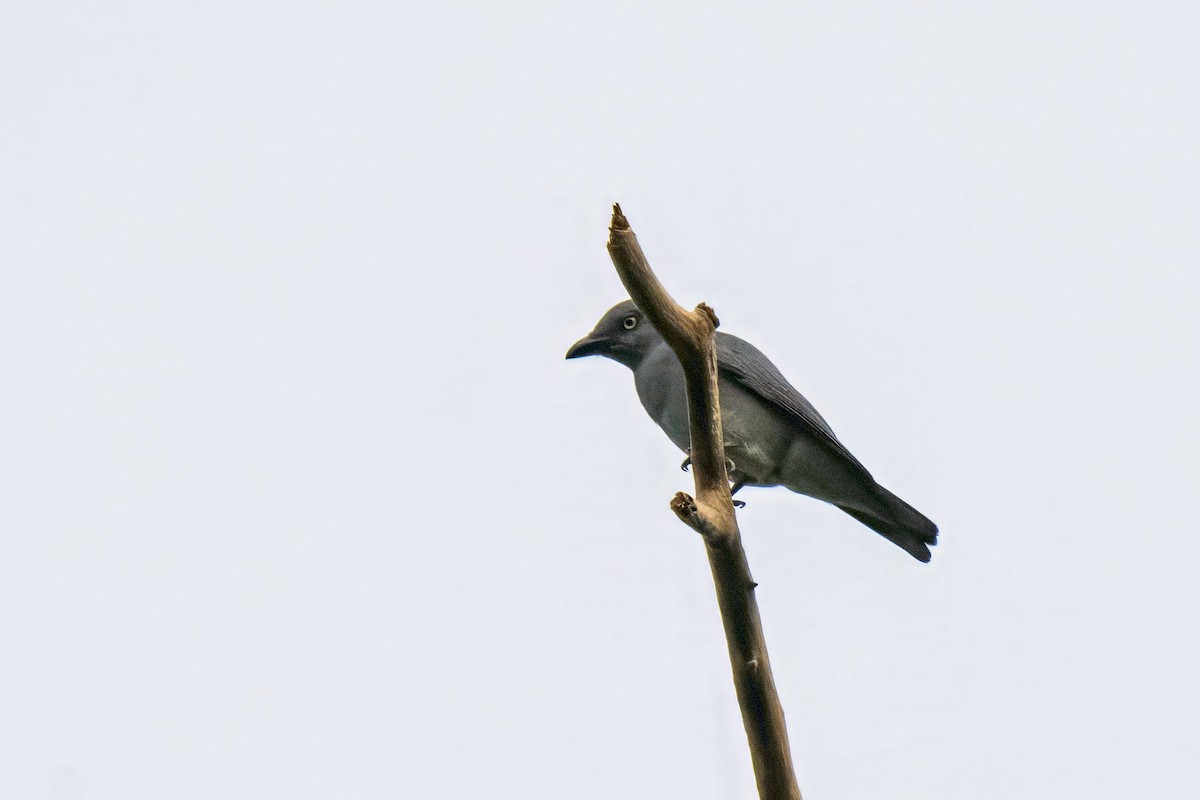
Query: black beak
{"x": 587, "y": 346}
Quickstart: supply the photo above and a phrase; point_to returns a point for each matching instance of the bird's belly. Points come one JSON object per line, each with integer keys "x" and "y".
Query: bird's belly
{"x": 767, "y": 449}
{"x": 756, "y": 438}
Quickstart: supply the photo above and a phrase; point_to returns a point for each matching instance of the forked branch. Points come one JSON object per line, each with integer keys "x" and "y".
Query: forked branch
{"x": 711, "y": 514}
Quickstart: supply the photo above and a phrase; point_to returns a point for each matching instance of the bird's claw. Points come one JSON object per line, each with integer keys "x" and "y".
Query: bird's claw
{"x": 734, "y": 490}
{"x": 687, "y": 462}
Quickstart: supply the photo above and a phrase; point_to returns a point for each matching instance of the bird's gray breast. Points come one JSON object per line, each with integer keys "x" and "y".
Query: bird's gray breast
{"x": 660, "y": 386}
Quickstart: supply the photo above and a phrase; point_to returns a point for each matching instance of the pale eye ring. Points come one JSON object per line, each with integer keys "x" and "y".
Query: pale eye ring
{"x": 630, "y": 323}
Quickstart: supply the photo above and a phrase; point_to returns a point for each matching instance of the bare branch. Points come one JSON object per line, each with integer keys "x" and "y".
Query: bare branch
{"x": 689, "y": 333}
{"x": 711, "y": 514}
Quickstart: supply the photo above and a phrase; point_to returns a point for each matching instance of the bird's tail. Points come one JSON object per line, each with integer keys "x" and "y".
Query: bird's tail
{"x": 899, "y": 523}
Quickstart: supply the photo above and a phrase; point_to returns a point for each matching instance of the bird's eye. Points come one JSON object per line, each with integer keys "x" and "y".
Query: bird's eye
{"x": 630, "y": 323}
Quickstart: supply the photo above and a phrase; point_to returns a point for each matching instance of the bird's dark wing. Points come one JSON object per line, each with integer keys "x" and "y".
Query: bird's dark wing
{"x": 743, "y": 362}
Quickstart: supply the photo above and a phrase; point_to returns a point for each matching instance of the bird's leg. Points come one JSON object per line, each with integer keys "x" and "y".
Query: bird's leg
{"x": 687, "y": 462}
{"x": 734, "y": 490}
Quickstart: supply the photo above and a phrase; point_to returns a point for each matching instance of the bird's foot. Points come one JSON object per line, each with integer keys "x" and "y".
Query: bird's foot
{"x": 734, "y": 490}
{"x": 729, "y": 467}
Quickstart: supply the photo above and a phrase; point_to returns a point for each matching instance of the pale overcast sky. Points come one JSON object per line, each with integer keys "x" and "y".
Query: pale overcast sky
{"x": 299, "y": 499}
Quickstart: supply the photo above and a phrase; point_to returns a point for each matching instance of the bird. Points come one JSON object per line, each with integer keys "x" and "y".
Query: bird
{"x": 773, "y": 435}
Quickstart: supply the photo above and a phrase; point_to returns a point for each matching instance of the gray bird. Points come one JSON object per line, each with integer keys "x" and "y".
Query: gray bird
{"x": 773, "y": 436}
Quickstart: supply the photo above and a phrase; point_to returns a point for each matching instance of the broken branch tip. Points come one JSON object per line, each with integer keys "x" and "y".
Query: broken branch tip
{"x": 619, "y": 222}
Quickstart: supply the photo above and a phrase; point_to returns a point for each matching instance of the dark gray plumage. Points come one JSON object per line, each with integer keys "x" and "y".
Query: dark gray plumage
{"x": 773, "y": 436}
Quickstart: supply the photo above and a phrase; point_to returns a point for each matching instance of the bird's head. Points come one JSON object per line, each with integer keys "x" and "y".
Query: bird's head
{"x": 623, "y": 334}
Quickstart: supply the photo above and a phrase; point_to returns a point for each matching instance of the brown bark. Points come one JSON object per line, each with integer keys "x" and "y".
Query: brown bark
{"x": 711, "y": 513}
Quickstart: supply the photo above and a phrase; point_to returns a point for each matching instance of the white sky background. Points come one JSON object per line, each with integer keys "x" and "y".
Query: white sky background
{"x": 298, "y": 498}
